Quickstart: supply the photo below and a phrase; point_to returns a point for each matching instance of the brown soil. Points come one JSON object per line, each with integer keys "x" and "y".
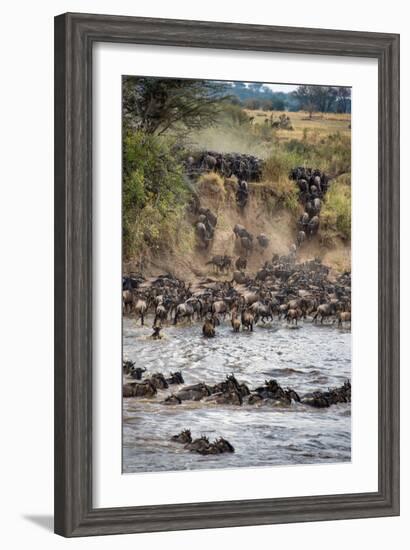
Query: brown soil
{"x": 260, "y": 215}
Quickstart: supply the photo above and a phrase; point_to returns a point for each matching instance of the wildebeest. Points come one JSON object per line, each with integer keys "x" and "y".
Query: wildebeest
{"x": 262, "y": 311}
{"x": 235, "y": 321}
{"x": 183, "y": 437}
{"x": 140, "y": 309}
{"x": 221, "y": 263}
{"x": 175, "y": 378}
{"x": 185, "y": 310}
{"x": 240, "y": 232}
{"x": 300, "y": 239}
{"x": 194, "y": 393}
{"x": 303, "y": 220}
{"x": 208, "y": 328}
{"x": 127, "y": 300}
{"x": 293, "y": 314}
{"x": 324, "y": 311}
{"x": 242, "y": 194}
{"x": 342, "y": 317}
{"x": 139, "y": 389}
{"x": 247, "y": 320}
{"x": 241, "y": 263}
{"x": 263, "y": 240}
{"x": 317, "y": 205}
{"x": 313, "y": 226}
{"x": 239, "y": 277}
{"x": 137, "y": 372}
{"x": 161, "y": 314}
{"x": 202, "y": 234}
{"x": 208, "y": 163}
{"x": 219, "y": 307}
{"x": 247, "y": 244}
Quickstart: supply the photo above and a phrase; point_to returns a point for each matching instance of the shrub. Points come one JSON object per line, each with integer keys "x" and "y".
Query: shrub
{"x": 211, "y": 184}
{"x": 336, "y": 212}
{"x": 154, "y": 193}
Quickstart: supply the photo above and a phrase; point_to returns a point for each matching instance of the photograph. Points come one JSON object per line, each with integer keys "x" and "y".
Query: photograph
{"x": 236, "y": 274}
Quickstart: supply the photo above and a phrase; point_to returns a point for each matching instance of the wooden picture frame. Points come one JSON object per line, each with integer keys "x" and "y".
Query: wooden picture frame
{"x": 75, "y": 35}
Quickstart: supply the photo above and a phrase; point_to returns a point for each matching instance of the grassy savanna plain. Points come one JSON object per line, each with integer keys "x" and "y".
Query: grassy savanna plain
{"x": 321, "y": 124}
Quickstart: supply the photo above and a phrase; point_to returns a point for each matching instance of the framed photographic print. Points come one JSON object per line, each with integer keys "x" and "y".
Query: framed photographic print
{"x": 226, "y": 274}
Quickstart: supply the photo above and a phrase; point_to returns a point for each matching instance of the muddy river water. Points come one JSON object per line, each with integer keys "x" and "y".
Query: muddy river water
{"x": 306, "y": 358}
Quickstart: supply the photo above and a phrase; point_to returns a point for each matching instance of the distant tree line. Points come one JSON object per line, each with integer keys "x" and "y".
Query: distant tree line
{"x": 325, "y": 99}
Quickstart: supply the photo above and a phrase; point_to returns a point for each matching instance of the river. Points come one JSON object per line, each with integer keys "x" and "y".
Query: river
{"x": 306, "y": 358}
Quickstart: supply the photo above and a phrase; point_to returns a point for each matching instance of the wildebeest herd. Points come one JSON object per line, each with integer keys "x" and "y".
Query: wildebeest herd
{"x": 243, "y": 166}
{"x": 282, "y": 288}
{"x": 312, "y": 185}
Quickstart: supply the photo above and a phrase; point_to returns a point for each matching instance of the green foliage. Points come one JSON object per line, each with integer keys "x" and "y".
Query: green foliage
{"x": 331, "y": 154}
{"x": 233, "y": 115}
{"x": 158, "y": 105}
{"x": 336, "y": 212}
{"x": 154, "y": 193}
{"x": 279, "y": 164}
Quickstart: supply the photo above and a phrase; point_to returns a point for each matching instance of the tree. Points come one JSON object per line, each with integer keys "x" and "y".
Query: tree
{"x": 343, "y": 100}
{"x": 316, "y": 98}
{"x": 156, "y": 105}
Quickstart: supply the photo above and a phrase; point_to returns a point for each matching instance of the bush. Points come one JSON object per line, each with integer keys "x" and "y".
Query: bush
{"x": 279, "y": 164}
{"x": 331, "y": 154}
{"x": 154, "y": 193}
{"x": 336, "y": 212}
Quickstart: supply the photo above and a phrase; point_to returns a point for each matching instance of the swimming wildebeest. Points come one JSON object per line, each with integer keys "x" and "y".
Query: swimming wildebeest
{"x": 137, "y": 372}
{"x": 172, "y": 400}
{"x": 194, "y": 393}
{"x": 175, "y": 378}
{"x": 128, "y": 366}
{"x": 183, "y": 437}
{"x": 156, "y": 327}
{"x": 158, "y": 381}
{"x": 139, "y": 389}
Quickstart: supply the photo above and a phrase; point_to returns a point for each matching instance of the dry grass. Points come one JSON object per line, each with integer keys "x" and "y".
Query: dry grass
{"x": 212, "y": 184}
{"x": 321, "y": 124}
